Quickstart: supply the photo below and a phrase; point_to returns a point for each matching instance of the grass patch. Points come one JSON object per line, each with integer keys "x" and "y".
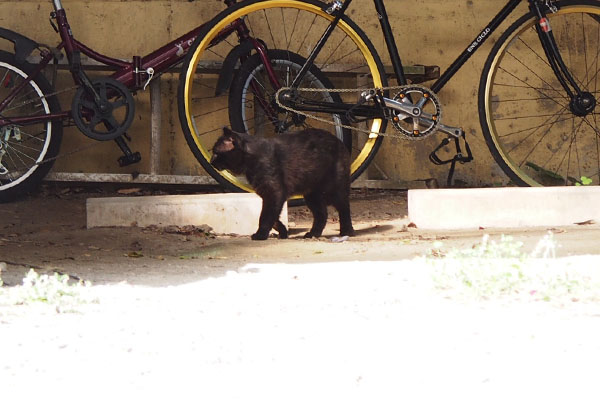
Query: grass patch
{"x": 51, "y": 290}
{"x": 495, "y": 269}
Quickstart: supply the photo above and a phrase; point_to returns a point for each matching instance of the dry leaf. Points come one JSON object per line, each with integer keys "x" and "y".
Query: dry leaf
{"x": 588, "y": 222}
{"x": 129, "y": 191}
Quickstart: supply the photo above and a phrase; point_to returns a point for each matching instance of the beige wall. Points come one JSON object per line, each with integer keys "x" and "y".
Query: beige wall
{"x": 430, "y": 32}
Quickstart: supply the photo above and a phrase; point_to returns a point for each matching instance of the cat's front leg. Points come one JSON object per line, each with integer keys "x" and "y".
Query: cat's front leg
{"x": 260, "y": 235}
{"x": 264, "y": 227}
{"x": 281, "y": 229}
{"x": 269, "y": 217}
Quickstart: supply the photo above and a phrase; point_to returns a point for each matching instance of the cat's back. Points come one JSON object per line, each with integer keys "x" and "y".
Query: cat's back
{"x": 311, "y": 158}
{"x": 311, "y": 141}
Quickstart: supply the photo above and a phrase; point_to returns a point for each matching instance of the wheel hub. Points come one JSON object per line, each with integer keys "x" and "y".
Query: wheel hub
{"x": 583, "y": 104}
{"x": 288, "y": 98}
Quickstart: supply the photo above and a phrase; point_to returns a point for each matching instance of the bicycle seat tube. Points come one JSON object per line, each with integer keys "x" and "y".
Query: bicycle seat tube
{"x": 338, "y": 12}
{"x": 57, "y": 5}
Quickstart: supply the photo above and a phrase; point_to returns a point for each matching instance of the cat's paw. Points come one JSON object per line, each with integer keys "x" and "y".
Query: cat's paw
{"x": 283, "y": 235}
{"x": 348, "y": 232}
{"x": 260, "y": 236}
{"x": 310, "y": 235}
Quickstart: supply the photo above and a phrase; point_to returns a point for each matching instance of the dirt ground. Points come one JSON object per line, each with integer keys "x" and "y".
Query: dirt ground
{"x": 47, "y": 231}
{"x": 180, "y": 313}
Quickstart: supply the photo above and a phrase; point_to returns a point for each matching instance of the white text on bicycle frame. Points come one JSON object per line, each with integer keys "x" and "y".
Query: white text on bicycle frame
{"x": 479, "y": 40}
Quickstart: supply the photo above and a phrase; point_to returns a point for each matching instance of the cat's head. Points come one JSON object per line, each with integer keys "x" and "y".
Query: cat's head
{"x": 228, "y": 152}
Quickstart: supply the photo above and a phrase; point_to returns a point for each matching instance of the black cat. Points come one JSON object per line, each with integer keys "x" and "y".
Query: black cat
{"x": 313, "y": 163}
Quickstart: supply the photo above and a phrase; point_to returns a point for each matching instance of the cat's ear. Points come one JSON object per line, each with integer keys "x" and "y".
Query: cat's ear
{"x": 237, "y": 139}
{"x": 228, "y": 132}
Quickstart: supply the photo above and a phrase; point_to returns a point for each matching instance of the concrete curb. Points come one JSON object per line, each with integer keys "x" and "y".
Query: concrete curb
{"x": 503, "y": 207}
{"x": 231, "y": 213}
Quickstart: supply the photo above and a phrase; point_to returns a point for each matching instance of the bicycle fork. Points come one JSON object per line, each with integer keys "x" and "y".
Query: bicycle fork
{"x": 582, "y": 103}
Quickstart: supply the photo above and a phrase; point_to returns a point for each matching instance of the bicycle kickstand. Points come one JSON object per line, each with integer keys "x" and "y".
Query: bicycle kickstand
{"x": 459, "y": 157}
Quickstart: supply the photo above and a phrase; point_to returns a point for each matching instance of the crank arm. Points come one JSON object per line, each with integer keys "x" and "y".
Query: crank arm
{"x": 427, "y": 120}
{"x": 408, "y": 110}
{"x": 452, "y": 131}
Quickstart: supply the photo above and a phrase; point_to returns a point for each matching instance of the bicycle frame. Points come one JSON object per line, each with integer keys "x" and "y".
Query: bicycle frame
{"x": 535, "y": 6}
{"x": 138, "y": 73}
{"x": 135, "y": 74}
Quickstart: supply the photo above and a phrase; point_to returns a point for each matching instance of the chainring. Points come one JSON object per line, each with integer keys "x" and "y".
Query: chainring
{"x": 106, "y": 116}
{"x": 424, "y": 125}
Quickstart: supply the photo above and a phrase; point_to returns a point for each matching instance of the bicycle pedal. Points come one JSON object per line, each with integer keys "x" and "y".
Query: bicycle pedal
{"x": 130, "y": 159}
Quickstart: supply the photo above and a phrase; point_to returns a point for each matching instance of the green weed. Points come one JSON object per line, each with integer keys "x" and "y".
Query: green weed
{"x": 493, "y": 269}
{"x": 585, "y": 181}
{"x": 53, "y": 290}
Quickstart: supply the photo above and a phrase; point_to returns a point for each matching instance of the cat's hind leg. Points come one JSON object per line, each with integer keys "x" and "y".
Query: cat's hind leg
{"x": 316, "y": 204}
{"x": 342, "y": 205}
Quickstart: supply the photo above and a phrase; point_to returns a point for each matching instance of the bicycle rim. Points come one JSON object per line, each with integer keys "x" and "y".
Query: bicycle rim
{"x": 287, "y": 25}
{"x": 24, "y": 148}
{"x": 527, "y": 121}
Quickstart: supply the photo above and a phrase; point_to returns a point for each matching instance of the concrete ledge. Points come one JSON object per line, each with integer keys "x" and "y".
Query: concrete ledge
{"x": 503, "y": 207}
{"x": 232, "y": 213}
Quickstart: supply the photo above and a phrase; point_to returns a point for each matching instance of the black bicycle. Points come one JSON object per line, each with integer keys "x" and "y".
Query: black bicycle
{"x": 303, "y": 62}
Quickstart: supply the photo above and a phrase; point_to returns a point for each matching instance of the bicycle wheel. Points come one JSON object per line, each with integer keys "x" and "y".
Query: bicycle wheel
{"x": 26, "y": 151}
{"x": 532, "y": 131}
{"x": 252, "y": 91}
{"x": 289, "y": 29}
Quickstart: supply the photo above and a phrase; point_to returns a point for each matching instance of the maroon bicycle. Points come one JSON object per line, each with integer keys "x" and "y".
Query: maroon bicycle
{"x": 31, "y": 118}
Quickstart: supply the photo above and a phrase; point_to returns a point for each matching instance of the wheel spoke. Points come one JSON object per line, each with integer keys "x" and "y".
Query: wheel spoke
{"x": 25, "y": 146}
{"x": 289, "y": 30}
{"x": 532, "y": 130}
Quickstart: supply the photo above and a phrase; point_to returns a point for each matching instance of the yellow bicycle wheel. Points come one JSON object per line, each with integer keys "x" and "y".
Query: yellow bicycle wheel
{"x": 537, "y": 133}
{"x": 289, "y": 30}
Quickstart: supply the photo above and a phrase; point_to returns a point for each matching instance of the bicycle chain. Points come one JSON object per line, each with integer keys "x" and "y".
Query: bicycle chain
{"x": 326, "y": 121}
{"x": 368, "y": 132}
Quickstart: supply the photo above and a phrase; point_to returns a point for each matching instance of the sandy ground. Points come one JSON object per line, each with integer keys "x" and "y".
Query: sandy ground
{"x": 179, "y": 313}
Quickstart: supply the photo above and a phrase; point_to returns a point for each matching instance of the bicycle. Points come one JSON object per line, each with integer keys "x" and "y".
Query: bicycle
{"x": 537, "y": 94}
{"x": 31, "y": 118}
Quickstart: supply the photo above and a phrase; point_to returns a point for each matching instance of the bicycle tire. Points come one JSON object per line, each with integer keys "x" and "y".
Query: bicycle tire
{"x": 201, "y": 128}
{"x": 29, "y": 150}
{"x": 527, "y": 122}
{"x": 243, "y": 99}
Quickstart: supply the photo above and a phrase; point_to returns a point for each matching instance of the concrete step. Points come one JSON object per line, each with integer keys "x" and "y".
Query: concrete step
{"x": 231, "y": 213}
{"x": 512, "y": 207}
